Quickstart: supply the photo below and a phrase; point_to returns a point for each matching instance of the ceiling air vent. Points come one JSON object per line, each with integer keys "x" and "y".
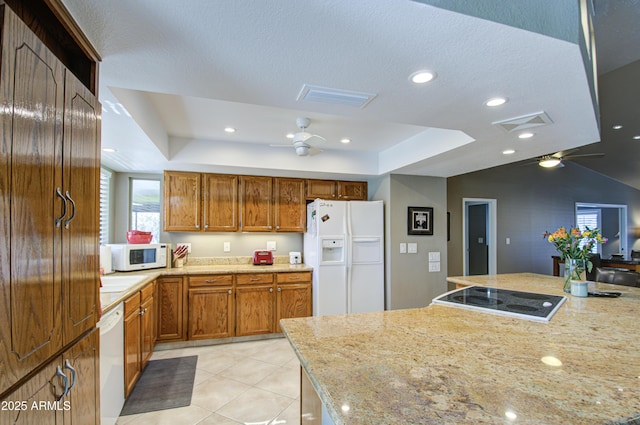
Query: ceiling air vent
{"x": 524, "y": 122}
{"x": 335, "y": 96}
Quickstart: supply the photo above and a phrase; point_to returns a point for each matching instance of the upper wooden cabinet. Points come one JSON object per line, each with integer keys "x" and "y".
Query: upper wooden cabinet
{"x": 290, "y": 205}
{"x": 340, "y": 190}
{"x": 195, "y": 202}
{"x": 256, "y": 203}
{"x": 49, "y": 175}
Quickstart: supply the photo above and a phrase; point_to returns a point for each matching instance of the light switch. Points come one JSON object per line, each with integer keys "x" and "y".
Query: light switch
{"x": 434, "y": 256}
{"x": 403, "y": 248}
{"x": 271, "y": 245}
{"x": 434, "y": 266}
{"x": 412, "y": 248}
{"x": 508, "y": 241}
{"x": 227, "y": 247}
{"x": 481, "y": 240}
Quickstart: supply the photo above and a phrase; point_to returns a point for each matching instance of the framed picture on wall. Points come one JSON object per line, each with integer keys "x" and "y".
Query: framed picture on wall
{"x": 420, "y": 221}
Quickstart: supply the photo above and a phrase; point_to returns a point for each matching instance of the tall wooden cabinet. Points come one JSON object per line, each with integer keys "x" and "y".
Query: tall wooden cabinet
{"x": 49, "y": 177}
{"x": 256, "y": 204}
{"x": 290, "y": 205}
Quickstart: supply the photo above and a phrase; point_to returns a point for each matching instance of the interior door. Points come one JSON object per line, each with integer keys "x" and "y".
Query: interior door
{"x": 477, "y": 242}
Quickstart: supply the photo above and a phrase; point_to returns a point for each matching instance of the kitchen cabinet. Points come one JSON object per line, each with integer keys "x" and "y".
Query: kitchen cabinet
{"x": 220, "y": 197}
{"x": 256, "y": 204}
{"x": 254, "y": 304}
{"x": 49, "y": 177}
{"x": 182, "y": 201}
{"x": 66, "y": 390}
{"x": 340, "y": 190}
{"x": 290, "y": 205}
{"x": 293, "y": 296}
{"x": 139, "y": 335}
{"x": 211, "y": 307}
{"x": 172, "y": 308}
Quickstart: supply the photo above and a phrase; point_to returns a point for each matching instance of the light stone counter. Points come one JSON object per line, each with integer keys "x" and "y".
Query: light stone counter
{"x": 447, "y": 365}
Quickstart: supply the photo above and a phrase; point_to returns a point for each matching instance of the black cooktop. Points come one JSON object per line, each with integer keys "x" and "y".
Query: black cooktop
{"x": 525, "y": 305}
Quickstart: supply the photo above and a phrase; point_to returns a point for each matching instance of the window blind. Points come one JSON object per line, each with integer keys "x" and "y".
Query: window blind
{"x": 105, "y": 185}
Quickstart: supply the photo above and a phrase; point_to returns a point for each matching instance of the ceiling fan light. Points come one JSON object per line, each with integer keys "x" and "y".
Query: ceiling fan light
{"x": 549, "y": 162}
{"x": 302, "y": 150}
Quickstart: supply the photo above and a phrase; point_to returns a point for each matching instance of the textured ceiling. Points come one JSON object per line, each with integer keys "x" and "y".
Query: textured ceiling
{"x": 174, "y": 75}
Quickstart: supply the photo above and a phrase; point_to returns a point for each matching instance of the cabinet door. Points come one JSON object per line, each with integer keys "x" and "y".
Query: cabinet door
{"x": 170, "y": 314}
{"x": 211, "y": 312}
{"x": 352, "y": 191}
{"x": 256, "y": 208}
{"x": 182, "y": 203}
{"x": 254, "y": 309}
{"x": 323, "y": 189}
{"x": 220, "y": 194}
{"x": 290, "y": 205}
{"x": 147, "y": 322}
{"x": 293, "y": 296}
{"x": 81, "y": 227}
{"x": 45, "y": 387}
{"x": 31, "y": 95}
{"x": 132, "y": 346}
{"x": 84, "y": 396}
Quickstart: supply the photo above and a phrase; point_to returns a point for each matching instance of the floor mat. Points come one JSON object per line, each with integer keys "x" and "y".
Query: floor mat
{"x": 164, "y": 384}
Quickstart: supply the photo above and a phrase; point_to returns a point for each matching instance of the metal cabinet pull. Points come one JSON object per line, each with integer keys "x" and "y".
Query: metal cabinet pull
{"x": 211, "y": 280}
{"x": 61, "y": 374}
{"x": 73, "y": 211}
{"x": 64, "y": 207}
{"x": 253, "y": 279}
{"x": 279, "y": 289}
{"x": 270, "y": 289}
{"x": 67, "y": 365}
{"x": 230, "y": 292}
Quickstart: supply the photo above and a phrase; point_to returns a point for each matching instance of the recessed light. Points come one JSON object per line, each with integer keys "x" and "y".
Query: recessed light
{"x": 526, "y": 135}
{"x": 422, "y": 77}
{"x": 616, "y": 127}
{"x": 345, "y": 140}
{"x": 636, "y": 137}
{"x": 110, "y": 150}
{"x": 508, "y": 152}
{"x": 229, "y": 129}
{"x": 290, "y": 136}
{"x": 496, "y": 101}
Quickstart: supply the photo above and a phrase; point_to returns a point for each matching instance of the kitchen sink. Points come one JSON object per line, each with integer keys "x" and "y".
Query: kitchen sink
{"x": 119, "y": 283}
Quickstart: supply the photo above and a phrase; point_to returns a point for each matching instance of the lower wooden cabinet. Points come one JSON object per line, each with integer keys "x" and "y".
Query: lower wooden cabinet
{"x": 255, "y": 304}
{"x": 211, "y": 307}
{"x": 293, "y": 296}
{"x": 67, "y": 390}
{"x": 138, "y": 334}
{"x": 171, "y": 313}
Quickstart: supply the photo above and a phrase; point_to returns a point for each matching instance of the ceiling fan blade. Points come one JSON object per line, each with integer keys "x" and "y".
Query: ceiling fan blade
{"x": 314, "y": 151}
{"x": 563, "y": 154}
{"x": 281, "y": 146}
{"x": 593, "y": 155}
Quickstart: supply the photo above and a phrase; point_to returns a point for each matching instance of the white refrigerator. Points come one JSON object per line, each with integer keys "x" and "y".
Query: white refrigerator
{"x": 344, "y": 244}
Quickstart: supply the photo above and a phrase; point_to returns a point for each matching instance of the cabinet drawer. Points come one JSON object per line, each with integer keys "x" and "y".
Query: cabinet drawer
{"x": 210, "y": 280}
{"x": 251, "y": 279}
{"x": 147, "y": 292}
{"x": 131, "y": 304}
{"x": 294, "y": 277}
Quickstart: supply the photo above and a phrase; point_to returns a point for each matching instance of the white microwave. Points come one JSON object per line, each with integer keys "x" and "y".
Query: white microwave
{"x": 130, "y": 257}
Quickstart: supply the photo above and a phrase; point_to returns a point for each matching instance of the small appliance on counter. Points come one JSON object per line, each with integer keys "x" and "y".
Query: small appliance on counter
{"x": 262, "y": 257}
{"x": 130, "y": 257}
{"x": 295, "y": 257}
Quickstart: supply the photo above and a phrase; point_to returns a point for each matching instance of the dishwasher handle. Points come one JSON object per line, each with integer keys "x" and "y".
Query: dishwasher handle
{"x": 111, "y": 319}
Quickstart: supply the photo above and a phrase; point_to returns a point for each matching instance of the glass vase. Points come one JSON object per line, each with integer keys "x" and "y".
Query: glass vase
{"x": 574, "y": 270}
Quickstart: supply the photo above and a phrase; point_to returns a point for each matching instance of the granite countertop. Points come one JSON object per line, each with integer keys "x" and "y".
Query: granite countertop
{"x": 442, "y": 364}
{"x": 110, "y": 300}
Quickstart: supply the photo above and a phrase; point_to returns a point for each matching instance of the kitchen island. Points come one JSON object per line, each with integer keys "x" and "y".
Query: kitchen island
{"x": 448, "y": 365}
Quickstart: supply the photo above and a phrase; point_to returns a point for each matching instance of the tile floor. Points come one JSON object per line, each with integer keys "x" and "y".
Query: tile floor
{"x": 256, "y": 383}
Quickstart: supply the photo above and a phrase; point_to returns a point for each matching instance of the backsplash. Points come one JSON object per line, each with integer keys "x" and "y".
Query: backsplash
{"x": 212, "y": 261}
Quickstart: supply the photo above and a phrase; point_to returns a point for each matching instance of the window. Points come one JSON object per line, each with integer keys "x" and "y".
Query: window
{"x": 145, "y": 206}
{"x": 105, "y": 190}
{"x": 590, "y": 218}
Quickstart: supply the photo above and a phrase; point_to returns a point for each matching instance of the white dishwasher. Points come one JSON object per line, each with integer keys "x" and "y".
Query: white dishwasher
{"x": 111, "y": 365}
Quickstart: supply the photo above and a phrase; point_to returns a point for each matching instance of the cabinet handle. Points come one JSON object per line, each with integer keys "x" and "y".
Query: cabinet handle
{"x": 279, "y": 289}
{"x": 270, "y": 227}
{"x": 294, "y": 277}
{"x": 64, "y": 380}
{"x": 206, "y": 226}
{"x": 64, "y": 207}
{"x": 67, "y": 365}
{"x": 270, "y": 289}
{"x": 142, "y": 312}
{"x": 210, "y": 280}
{"x": 254, "y": 279}
{"x": 230, "y": 292}
{"x": 73, "y": 211}
{"x": 197, "y": 226}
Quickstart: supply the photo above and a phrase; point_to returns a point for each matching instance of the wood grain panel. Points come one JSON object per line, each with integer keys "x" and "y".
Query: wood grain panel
{"x": 211, "y": 280}
{"x": 256, "y": 199}
{"x": 84, "y": 397}
{"x": 81, "y": 227}
{"x": 290, "y": 205}
{"x": 170, "y": 315}
{"x": 254, "y": 310}
{"x": 352, "y": 191}
{"x": 294, "y": 277}
{"x": 323, "y": 189}
{"x": 254, "y": 278}
{"x": 182, "y": 201}
{"x": 220, "y": 196}
{"x": 31, "y": 95}
{"x": 211, "y": 313}
{"x": 292, "y": 300}
{"x": 132, "y": 347}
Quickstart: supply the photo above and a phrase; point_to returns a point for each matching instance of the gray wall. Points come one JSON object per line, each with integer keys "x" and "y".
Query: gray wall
{"x": 530, "y": 201}
{"x": 408, "y": 280}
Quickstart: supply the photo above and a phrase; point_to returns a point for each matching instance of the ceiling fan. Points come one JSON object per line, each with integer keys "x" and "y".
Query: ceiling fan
{"x": 303, "y": 142}
{"x": 555, "y": 160}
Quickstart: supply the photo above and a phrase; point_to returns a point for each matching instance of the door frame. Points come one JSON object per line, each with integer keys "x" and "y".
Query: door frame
{"x": 622, "y": 220}
{"x": 492, "y": 232}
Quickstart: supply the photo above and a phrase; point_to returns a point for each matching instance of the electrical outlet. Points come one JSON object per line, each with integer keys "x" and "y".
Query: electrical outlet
{"x": 412, "y": 248}
{"x": 403, "y": 247}
{"x": 227, "y": 247}
{"x": 271, "y": 245}
{"x": 187, "y": 244}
